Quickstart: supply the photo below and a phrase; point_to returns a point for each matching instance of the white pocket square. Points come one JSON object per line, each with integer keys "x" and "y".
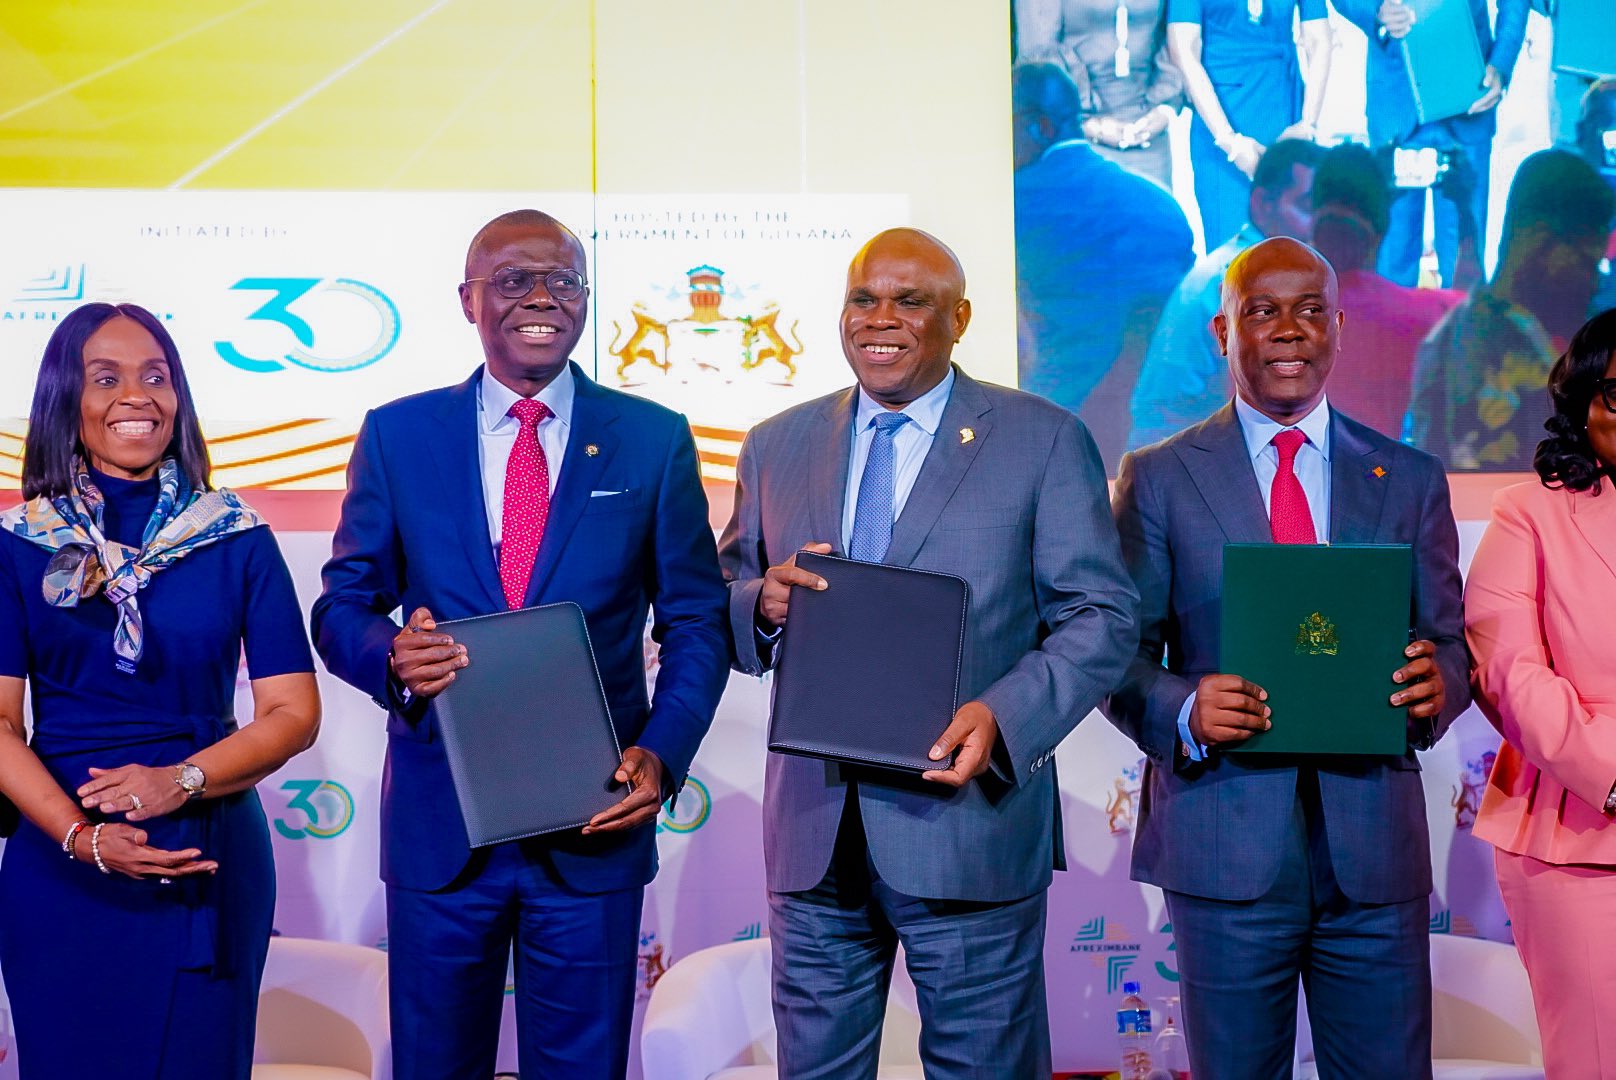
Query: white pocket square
{"x": 599, "y": 494}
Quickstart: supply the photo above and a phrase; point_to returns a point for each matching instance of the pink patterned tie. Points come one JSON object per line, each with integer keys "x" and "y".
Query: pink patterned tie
{"x": 527, "y": 502}
{"x": 1289, "y": 517}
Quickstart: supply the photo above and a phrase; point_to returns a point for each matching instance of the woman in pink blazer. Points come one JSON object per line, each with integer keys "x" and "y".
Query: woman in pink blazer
{"x": 1540, "y": 615}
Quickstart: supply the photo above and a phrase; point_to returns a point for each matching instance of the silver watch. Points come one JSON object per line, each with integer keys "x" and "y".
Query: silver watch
{"x": 191, "y": 779}
{"x": 1610, "y": 800}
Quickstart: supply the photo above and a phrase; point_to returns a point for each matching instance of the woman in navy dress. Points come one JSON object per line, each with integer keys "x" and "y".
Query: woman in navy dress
{"x": 137, "y": 893}
{"x": 1240, "y": 68}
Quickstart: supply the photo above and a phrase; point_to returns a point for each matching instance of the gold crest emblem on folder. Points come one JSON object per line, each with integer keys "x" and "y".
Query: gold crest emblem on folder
{"x": 1316, "y": 637}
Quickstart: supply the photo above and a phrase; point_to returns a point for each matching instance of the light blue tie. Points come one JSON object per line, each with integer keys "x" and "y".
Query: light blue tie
{"x": 872, "y": 517}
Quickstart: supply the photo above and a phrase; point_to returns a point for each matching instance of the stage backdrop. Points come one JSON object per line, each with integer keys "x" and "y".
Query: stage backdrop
{"x": 290, "y": 184}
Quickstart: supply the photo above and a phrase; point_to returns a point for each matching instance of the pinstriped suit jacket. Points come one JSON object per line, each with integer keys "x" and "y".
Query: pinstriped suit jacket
{"x": 1019, "y": 511}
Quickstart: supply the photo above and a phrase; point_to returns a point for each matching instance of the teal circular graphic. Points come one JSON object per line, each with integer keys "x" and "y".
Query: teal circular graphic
{"x": 694, "y": 806}
{"x": 287, "y": 291}
{"x": 326, "y": 806}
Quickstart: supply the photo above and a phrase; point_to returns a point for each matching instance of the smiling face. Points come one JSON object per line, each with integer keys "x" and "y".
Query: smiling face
{"x": 526, "y": 341}
{"x": 904, "y": 310}
{"x": 1280, "y": 327}
{"x": 126, "y": 413}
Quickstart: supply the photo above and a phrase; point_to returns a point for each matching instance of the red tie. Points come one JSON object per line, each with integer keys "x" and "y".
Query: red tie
{"x": 1289, "y": 516}
{"x": 527, "y": 502}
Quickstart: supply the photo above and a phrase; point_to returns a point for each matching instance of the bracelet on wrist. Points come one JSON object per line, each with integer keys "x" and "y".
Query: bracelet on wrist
{"x": 72, "y": 834}
{"x": 95, "y": 847}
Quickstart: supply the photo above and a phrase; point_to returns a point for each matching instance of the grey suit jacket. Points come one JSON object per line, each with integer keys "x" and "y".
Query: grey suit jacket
{"x": 1216, "y": 828}
{"x": 1019, "y": 511}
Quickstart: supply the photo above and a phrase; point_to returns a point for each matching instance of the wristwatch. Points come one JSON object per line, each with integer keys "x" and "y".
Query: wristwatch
{"x": 191, "y": 779}
{"x": 1610, "y": 800}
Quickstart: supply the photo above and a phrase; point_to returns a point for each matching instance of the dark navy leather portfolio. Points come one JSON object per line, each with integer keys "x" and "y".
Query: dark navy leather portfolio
{"x": 525, "y": 725}
{"x": 869, "y": 668}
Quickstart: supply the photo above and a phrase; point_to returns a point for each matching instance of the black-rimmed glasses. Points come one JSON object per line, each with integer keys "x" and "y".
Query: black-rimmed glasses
{"x": 515, "y": 282}
{"x": 1607, "y": 390}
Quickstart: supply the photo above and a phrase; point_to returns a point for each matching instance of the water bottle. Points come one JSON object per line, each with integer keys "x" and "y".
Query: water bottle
{"x": 1133, "y": 1034}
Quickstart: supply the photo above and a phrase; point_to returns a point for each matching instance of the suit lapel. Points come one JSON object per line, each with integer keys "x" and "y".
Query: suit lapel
{"x": 460, "y": 483}
{"x": 945, "y": 466}
{"x": 827, "y": 470}
{"x": 1358, "y": 485}
{"x": 591, "y": 444}
{"x": 1218, "y": 462}
{"x": 1597, "y": 523}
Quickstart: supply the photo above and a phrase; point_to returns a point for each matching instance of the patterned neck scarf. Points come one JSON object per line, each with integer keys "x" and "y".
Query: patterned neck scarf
{"x": 85, "y": 562}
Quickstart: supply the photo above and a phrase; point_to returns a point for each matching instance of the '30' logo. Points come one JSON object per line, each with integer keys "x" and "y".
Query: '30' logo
{"x": 278, "y": 309}
{"x": 327, "y": 805}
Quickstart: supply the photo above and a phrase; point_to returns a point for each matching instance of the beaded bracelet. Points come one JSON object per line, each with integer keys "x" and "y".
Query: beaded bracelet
{"x": 95, "y": 847}
{"x": 73, "y": 831}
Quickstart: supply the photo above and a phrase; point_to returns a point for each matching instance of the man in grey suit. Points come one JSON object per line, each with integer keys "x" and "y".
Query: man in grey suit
{"x": 1275, "y": 867}
{"x": 920, "y": 465}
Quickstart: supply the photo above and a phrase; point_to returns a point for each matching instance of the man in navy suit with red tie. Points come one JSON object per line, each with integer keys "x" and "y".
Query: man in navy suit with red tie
{"x": 526, "y": 484}
{"x": 1282, "y": 869}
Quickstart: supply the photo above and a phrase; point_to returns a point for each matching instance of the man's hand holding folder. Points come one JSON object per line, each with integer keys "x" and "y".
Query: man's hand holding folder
{"x": 1229, "y": 710}
{"x": 426, "y": 661}
{"x": 970, "y": 736}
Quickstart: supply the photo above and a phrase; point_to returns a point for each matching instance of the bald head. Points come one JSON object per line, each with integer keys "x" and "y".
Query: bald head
{"x": 922, "y": 250}
{"x": 515, "y": 222}
{"x": 1280, "y": 327}
{"x": 904, "y": 310}
{"x": 1275, "y": 254}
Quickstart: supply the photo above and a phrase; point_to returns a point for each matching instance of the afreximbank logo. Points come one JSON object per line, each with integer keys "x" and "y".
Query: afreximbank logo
{"x": 304, "y": 330}
{"x": 320, "y": 809}
{"x": 689, "y": 811}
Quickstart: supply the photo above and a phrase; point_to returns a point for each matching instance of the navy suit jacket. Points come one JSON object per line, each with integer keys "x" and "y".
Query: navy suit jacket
{"x": 1217, "y": 828}
{"x": 627, "y": 532}
{"x": 1011, "y": 497}
{"x": 1388, "y": 92}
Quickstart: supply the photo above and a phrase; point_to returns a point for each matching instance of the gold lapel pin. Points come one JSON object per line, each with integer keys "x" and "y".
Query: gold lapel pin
{"x": 591, "y": 450}
{"x": 966, "y": 435}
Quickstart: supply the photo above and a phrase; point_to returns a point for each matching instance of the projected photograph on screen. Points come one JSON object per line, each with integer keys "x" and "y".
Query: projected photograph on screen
{"x": 1455, "y": 162}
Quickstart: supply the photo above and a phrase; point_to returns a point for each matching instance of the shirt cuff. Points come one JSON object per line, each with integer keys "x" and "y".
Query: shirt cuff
{"x": 767, "y": 643}
{"x": 1192, "y": 749}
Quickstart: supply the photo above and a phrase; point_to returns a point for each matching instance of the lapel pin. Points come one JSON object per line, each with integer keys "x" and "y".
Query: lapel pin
{"x": 966, "y": 435}
{"x": 591, "y": 450}
{"x": 1377, "y": 472}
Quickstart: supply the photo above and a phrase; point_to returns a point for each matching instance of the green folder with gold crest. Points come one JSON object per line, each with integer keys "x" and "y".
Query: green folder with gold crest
{"x": 1321, "y": 627}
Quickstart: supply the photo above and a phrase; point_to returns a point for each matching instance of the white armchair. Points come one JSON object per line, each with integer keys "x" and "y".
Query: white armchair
{"x": 1483, "y": 1026}
{"x": 709, "y": 1018}
{"x": 322, "y": 1013}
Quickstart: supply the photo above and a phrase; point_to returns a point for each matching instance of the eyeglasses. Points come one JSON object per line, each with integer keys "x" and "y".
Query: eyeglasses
{"x": 515, "y": 282}
{"x": 1607, "y": 390}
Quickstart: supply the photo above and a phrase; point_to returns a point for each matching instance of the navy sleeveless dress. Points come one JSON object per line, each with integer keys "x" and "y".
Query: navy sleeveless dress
{"x": 108, "y": 975}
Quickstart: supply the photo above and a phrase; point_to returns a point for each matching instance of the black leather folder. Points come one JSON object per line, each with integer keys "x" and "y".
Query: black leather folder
{"x": 525, "y": 725}
{"x": 869, "y": 669}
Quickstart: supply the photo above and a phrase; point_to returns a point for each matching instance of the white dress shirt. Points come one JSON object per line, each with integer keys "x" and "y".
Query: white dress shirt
{"x": 909, "y": 446}
{"x": 1312, "y": 470}
{"x": 496, "y": 435}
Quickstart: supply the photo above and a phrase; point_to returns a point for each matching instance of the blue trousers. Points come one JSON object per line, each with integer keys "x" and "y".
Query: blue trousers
{"x": 1366, "y": 969}
{"x": 576, "y": 956}
{"x": 978, "y": 970}
{"x": 1404, "y": 242}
